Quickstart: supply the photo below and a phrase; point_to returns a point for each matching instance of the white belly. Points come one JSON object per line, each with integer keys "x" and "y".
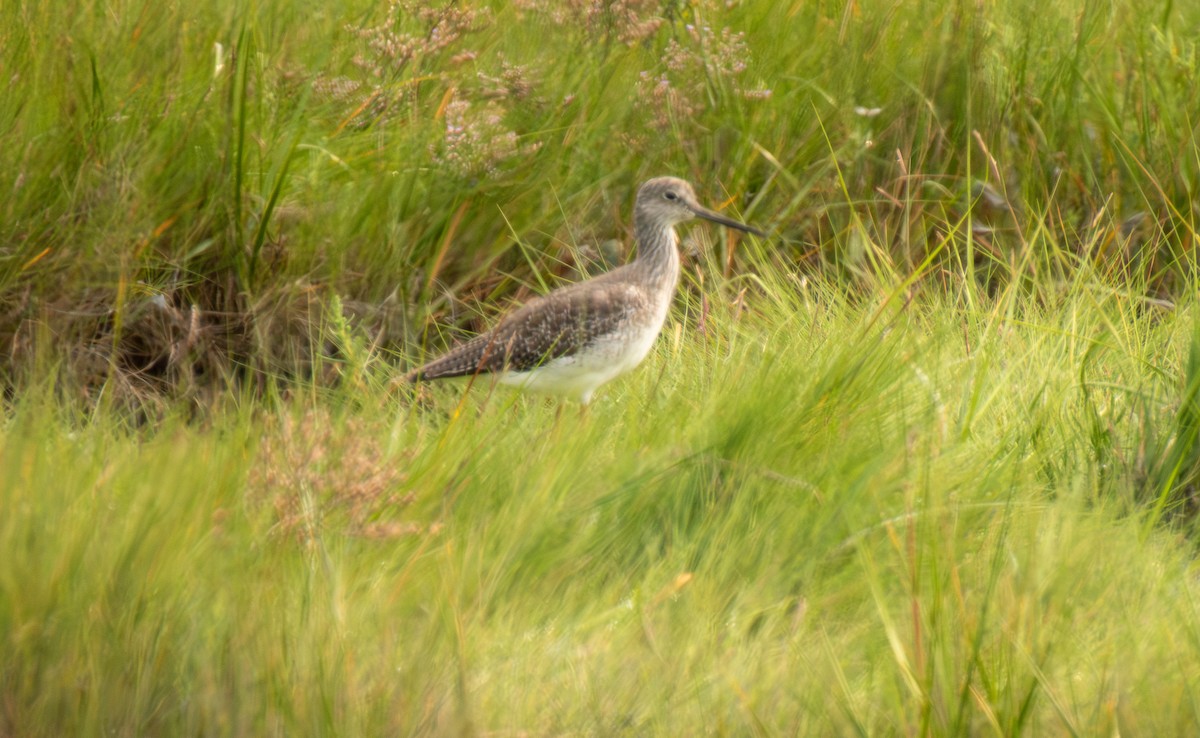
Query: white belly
{"x": 604, "y": 359}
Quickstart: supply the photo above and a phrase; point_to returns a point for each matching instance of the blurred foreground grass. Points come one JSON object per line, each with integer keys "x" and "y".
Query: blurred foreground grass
{"x": 937, "y": 521}
{"x": 924, "y": 461}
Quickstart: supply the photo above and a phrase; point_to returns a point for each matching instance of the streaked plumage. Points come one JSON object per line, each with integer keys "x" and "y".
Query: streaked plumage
{"x": 578, "y": 337}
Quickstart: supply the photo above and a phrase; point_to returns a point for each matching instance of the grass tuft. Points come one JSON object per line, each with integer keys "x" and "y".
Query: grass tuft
{"x": 922, "y": 461}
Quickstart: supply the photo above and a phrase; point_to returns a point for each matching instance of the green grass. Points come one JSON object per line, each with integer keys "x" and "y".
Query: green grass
{"x": 925, "y": 461}
{"x": 239, "y": 160}
{"x": 811, "y": 524}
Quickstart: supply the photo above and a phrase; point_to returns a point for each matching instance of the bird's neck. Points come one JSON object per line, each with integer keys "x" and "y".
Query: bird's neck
{"x": 658, "y": 253}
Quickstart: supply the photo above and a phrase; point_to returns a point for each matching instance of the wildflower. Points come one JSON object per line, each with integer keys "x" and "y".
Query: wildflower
{"x": 439, "y": 28}
{"x": 629, "y": 22}
{"x": 692, "y": 61}
{"x": 476, "y": 142}
{"x": 668, "y": 102}
{"x": 514, "y": 81}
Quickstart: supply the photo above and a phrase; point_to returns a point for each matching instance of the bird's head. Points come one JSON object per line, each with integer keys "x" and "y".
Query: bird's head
{"x": 666, "y": 201}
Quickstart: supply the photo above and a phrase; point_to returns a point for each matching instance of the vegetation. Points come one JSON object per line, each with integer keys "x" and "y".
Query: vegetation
{"x": 923, "y": 461}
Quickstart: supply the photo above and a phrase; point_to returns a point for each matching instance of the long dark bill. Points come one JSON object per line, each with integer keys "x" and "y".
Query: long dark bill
{"x": 727, "y": 222}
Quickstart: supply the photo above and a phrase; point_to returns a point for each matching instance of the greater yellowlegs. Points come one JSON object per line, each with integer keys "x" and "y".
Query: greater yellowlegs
{"x": 576, "y": 338}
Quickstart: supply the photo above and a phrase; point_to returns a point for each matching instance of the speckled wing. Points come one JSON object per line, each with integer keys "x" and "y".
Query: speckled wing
{"x": 559, "y": 324}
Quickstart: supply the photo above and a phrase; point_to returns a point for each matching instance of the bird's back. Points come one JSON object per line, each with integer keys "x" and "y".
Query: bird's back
{"x": 567, "y": 322}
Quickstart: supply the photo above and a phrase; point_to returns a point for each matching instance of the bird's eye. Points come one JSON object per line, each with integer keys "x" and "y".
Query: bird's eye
{"x": 670, "y": 195}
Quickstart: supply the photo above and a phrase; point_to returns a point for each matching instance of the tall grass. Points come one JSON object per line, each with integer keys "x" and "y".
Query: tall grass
{"x": 810, "y": 523}
{"x": 924, "y": 461}
{"x": 189, "y": 180}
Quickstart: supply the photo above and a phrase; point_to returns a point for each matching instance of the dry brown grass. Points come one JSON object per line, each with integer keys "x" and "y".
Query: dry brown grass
{"x": 146, "y": 353}
{"x": 320, "y": 476}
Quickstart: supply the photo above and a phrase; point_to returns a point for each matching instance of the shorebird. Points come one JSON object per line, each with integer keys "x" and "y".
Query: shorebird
{"x": 576, "y": 338}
